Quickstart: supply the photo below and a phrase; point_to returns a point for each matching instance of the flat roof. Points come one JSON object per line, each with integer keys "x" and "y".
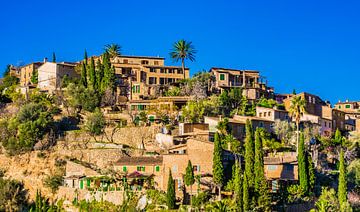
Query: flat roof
{"x": 142, "y": 57}
{"x": 164, "y": 66}
{"x": 230, "y": 69}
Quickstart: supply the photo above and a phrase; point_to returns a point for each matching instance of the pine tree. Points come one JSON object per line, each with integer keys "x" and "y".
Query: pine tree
{"x": 238, "y": 186}
{"x": 218, "y": 169}
{"x": 259, "y": 161}
{"x": 83, "y": 78}
{"x": 170, "y": 194}
{"x": 92, "y": 74}
{"x": 249, "y": 154}
{"x": 189, "y": 177}
{"x": 302, "y": 165}
{"x": 342, "y": 188}
{"x": 53, "y": 57}
{"x": 246, "y": 193}
{"x": 311, "y": 173}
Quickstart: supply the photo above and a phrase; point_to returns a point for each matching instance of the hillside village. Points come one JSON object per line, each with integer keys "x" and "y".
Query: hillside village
{"x": 114, "y": 132}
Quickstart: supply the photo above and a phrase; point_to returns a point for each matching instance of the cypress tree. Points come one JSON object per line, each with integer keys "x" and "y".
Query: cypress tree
{"x": 259, "y": 161}
{"x": 342, "y": 188}
{"x": 170, "y": 194}
{"x": 311, "y": 173}
{"x": 85, "y": 57}
{"x": 238, "y": 186}
{"x": 92, "y": 74}
{"x": 189, "y": 177}
{"x": 109, "y": 73}
{"x": 53, "y": 57}
{"x": 249, "y": 154}
{"x": 83, "y": 78}
{"x": 261, "y": 187}
{"x": 218, "y": 169}
{"x": 246, "y": 194}
{"x": 302, "y": 165}
{"x": 99, "y": 74}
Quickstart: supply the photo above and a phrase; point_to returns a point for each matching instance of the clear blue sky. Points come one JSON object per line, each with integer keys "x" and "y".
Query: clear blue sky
{"x": 312, "y": 46}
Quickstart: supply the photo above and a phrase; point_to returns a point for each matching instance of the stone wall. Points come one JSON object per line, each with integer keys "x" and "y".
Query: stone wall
{"x": 70, "y": 194}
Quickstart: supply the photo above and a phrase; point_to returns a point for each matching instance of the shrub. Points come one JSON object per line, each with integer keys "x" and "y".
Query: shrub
{"x": 53, "y": 182}
{"x": 201, "y": 199}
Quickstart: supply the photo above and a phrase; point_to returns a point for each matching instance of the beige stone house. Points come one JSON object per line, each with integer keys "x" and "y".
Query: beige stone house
{"x": 272, "y": 114}
{"x": 281, "y": 168}
{"x": 50, "y": 75}
{"x": 320, "y": 112}
{"x": 250, "y": 81}
{"x": 140, "y": 77}
{"x": 27, "y": 71}
{"x": 237, "y": 124}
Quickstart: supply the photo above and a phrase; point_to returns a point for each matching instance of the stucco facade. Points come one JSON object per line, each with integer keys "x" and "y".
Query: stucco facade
{"x": 50, "y": 75}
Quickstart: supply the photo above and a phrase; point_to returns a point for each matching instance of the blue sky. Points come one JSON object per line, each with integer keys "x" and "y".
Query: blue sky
{"x": 312, "y": 46}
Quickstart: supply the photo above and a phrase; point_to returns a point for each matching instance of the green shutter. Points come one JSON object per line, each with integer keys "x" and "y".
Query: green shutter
{"x": 81, "y": 184}
{"x": 151, "y": 118}
{"x": 88, "y": 182}
{"x": 157, "y": 168}
{"x": 143, "y": 168}
{"x": 124, "y": 169}
{"x": 347, "y": 106}
{"x": 222, "y": 76}
{"x": 138, "y": 89}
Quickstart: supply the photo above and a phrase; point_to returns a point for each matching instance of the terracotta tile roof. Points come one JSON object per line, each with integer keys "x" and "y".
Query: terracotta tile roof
{"x": 279, "y": 160}
{"x": 157, "y": 160}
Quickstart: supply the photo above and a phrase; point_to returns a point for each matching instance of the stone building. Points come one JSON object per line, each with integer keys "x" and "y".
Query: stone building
{"x": 27, "y": 71}
{"x": 250, "y": 81}
{"x": 281, "y": 169}
{"x": 50, "y": 75}
{"x": 140, "y": 77}
{"x": 272, "y": 114}
{"x": 237, "y": 124}
{"x": 320, "y": 112}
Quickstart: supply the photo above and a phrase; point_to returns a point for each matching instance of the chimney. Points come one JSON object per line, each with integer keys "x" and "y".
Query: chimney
{"x": 45, "y": 59}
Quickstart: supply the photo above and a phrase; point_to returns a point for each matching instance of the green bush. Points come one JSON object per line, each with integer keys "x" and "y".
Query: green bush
{"x": 201, "y": 199}
{"x": 20, "y": 133}
{"x": 53, "y": 182}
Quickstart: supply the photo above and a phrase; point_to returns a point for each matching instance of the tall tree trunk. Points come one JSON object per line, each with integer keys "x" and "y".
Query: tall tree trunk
{"x": 297, "y": 138}
{"x": 219, "y": 197}
{"x": 183, "y": 67}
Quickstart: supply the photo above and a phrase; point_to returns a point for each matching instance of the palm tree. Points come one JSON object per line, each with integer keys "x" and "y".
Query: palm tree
{"x": 297, "y": 109}
{"x": 113, "y": 50}
{"x": 182, "y": 50}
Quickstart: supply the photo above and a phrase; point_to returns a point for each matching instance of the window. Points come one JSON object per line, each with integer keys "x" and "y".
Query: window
{"x": 171, "y": 71}
{"x": 180, "y": 71}
{"x": 269, "y": 113}
{"x": 174, "y": 168}
{"x": 156, "y": 63}
{"x": 163, "y": 71}
{"x": 260, "y": 114}
{"x": 125, "y": 61}
{"x": 136, "y": 88}
{"x": 124, "y": 169}
{"x": 339, "y": 106}
{"x": 140, "y": 168}
{"x": 222, "y": 76}
{"x": 261, "y": 124}
{"x": 152, "y": 80}
{"x": 271, "y": 167}
{"x": 157, "y": 168}
{"x": 145, "y": 62}
{"x": 153, "y": 70}
{"x": 179, "y": 184}
{"x": 347, "y": 106}
{"x": 162, "y": 81}
{"x": 196, "y": 168}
